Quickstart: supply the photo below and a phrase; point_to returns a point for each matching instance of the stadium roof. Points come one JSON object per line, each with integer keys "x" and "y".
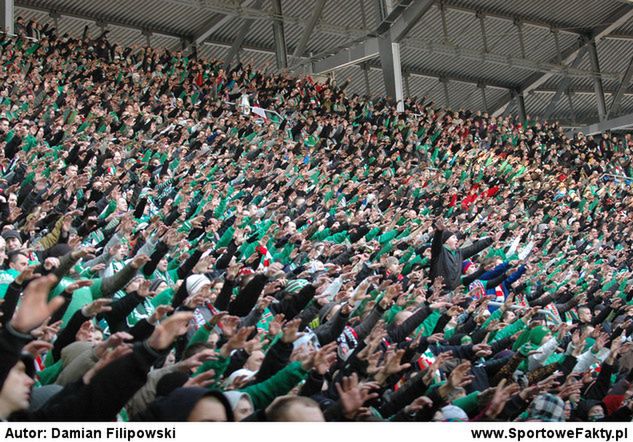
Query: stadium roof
{"x": 569, "y": 60}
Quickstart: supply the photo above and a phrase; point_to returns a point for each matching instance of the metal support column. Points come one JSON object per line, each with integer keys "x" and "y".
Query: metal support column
{"x": 442, "y": 7}
{"x": 597, "y": 81}
{"x": 559, "y": 54}
{"x": 148, "y": 38}
{"x": 391, "y": 70}
{"x": 278, "y": 33}
{"x": 389, "y": 52}
{"x": 617, "y": 99}
{"x": 7, "y": 16}
{"x": 482, "y": 88}
{"x": 563, "y": 86}
{"x": 55, "y": 16}
{"x": 309, "y": 28}
{"x": 365, "y": 69}
{"x": 521, "y": 105}
{"x": 447, "y": 98}
{"x": 407, "y": 90}
{"x": 519, "y": 26}
{"x": 239, "y": 38}
{"x": 482, "y": 26}
{"x": 570, "y": 102}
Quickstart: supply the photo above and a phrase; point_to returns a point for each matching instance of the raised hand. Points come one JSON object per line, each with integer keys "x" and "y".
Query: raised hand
{"x": 194, "y": 301}
{"x": 352, "y": 396}
{"x": 500, "y": 398}
{"x": 237, "y": 341}
{"x": 139, "y": 261}
{"x": 143, "y": 289}
{"x": 392, "y": 365}
{"x": 203, "y": 380}
{"x": 437, "y": 363}
{"x": 255, "y": 344}
{"x": 291, "y": 331}
{"x": 82, "y": 252}
{"x": 98, "y": 306}
{"x": 229, "y": 325}
{"x": 391, "y": 292}
{"x": 97, "y": 268}
{"x": 570, "y": 388}
{"x": 46, "y": 332}
{"x": 51, "y": 263}
{"x": 459, "y": 377}
{"x": 159, "y": 313}
{"x": 324, "y": 358}
{"x": 482, "y": 350}
{"x": 114, "y": 341}
{"x": 264, "y": 302}
{"x": 34, "y": 308}
{"x": 37, "y": 347}
{"x": 275, "y": 325}
{"x": 27, "y": 275}
{"x": 418, "y": 404}
{"x": 77, "y": 285}
{"x": 105, "y": 359}
{"x": 193, "y": 362}
{"x": 166, "y": 332}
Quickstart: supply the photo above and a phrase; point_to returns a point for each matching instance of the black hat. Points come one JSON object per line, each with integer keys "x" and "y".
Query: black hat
{"x": 445, "y": 235}
{"x": 8, "y": 234}
{"x": 29, "y": 364}
{"x": 177, "y": 406}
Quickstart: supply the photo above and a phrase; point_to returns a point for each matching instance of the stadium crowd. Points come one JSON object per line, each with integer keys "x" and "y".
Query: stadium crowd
{"x": 184, "y": 241}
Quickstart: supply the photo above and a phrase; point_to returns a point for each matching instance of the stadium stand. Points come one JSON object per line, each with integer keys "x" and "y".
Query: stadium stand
{"x": 184, "y": 240}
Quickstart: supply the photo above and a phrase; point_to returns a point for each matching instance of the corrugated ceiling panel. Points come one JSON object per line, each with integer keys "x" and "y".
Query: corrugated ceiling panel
{"x": 580, "y": 13}
{"x": 464, "y": 30}
{"x": 627, "y": 28}
{"x": 376, "y": 83}
{"x": 503, "y": 37}
{"x": 30, "y": 14}
{"x": 539, "y": 43}
{"x": 459, "y": 93}
{"x": 212, "y": 52}
{"x": 346, "y": 15}
{"x": 428, "y": 27}
{"x": 161, "y": 41}
{"x": 426, "y": 61}
{"x": 355, "y": 75}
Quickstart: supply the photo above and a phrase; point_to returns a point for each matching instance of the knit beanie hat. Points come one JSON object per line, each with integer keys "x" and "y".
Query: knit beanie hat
{"x": 547, "y": 408}
{"x": 465, "y": 265}
{"x": 155, "y": 284}
{"x": 57, "y": 251}
{"x": 613, "y": 402}
{"x": 445, "y": 235}
{"x": 170, "y": 382}
{"x": 537, "y": 334}
{"x": 8, "y": 234}
{"x": 134, "y": 278}
{"x": 177, "y": 406}
{"x": 41, "y": 395}
{"x": 477, "y": 289}
{"x": 452, "y": 413}
{"x": 234, "y": 397}
{"x": 533, "y": 336}
{"x": 195, "y": 283}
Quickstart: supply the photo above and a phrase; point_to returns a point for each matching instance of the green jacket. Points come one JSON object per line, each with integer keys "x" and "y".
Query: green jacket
{"x": 279, "y": 384}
